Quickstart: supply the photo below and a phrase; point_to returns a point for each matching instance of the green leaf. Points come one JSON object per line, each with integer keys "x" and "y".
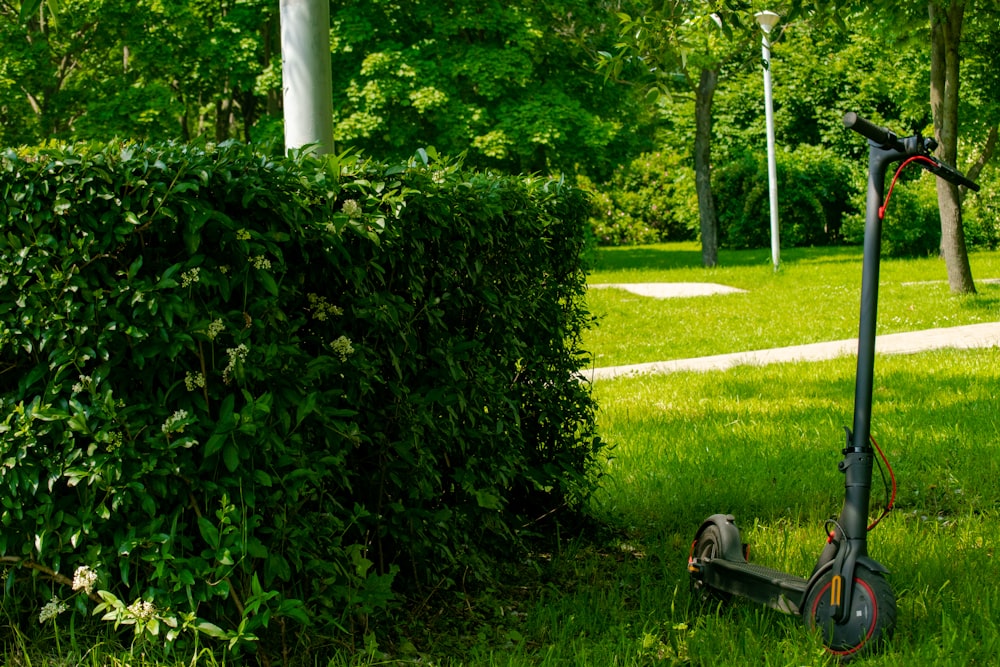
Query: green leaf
{"x": 209, "y": 532}
{"x": 231, "y": 457}
{"x": 215, "y": 442}
{"x": 487, "y": 500}
{"x": 210, "y": 629}
{"x": 28, "y": 9}
{"x": 267, "y": 280}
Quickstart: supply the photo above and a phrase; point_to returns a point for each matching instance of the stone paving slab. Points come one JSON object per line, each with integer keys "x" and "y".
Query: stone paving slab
{"x": 970, "y": 336}
{"x": 671, "y": 290}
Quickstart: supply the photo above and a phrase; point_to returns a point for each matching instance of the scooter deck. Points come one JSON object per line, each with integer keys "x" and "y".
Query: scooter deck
{"x": 780, "y": 590}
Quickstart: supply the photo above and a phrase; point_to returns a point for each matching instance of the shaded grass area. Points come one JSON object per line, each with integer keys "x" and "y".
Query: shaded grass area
{"x": 814, "y": 297}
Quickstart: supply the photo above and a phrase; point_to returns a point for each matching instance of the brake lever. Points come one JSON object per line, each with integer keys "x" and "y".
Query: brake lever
{"x": 942, "y": 170}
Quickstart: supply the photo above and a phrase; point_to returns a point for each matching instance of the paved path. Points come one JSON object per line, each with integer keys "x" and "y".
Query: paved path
{"x": 973, "y": 335}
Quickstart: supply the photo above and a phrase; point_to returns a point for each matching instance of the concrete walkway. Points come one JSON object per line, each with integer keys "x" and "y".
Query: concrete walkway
{"x": 969, "y": 336}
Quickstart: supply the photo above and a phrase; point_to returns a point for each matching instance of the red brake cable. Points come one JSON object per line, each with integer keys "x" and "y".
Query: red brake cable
{"x": 892, "y": 477}
{"x": 899, "y": 170}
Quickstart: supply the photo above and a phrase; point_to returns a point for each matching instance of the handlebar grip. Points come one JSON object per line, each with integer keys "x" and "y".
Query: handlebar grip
{"x": 866, "y": 128}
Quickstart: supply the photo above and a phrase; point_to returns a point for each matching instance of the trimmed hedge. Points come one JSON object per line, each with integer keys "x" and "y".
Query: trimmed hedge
{"x": 249, "y": 388}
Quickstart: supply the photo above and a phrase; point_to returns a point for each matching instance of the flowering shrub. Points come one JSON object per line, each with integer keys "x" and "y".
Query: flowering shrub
{"x": 251, "y": 388}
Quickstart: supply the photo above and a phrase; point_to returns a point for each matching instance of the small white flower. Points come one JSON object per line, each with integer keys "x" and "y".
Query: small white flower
{"x": 84, "y": 383}
{"x": 84, "y": 579}
{"x": 342, "y": 347}
{"x": 190, "y": 277}
{"x": 142, "y": 610}
{"x": 351, "y": 208}
{"x": 321, "y": 308}
{"x": 51, "y": 609}
{"x": 236, "y": 354}
{"x": 173, "y": 423}
{"x": 215, "y": 328}
{"x": 194, "y": 381}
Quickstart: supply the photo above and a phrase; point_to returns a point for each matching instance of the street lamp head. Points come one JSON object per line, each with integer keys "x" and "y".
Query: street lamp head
{"x": 767, "y": 20}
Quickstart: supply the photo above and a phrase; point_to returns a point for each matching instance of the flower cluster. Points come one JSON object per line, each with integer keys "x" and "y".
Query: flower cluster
{"x": 351, "y": 208}
{"x": 51, "y": 609}
{"x": 215, "y": 328}
{"x": 321, "y": 308}
{"x": 190, "y": 277}
{"x": 342, "y": 347}
{"x": 236, "y": 354}
{"x": 142, "y": 610}
{"x": 85, "y": 383}
{"x": 84, "y": 579}
{"x": 194, "y": 381}
{"x": 242, "y": 235}
{"x": 175, "y": 422}
{"x": 261, "y": 262}
{"x": 114, "y": 441}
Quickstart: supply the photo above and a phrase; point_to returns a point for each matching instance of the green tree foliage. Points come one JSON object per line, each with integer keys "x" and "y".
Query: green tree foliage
{"x": 505, "y": 82}
{"x": 146, "y": 69}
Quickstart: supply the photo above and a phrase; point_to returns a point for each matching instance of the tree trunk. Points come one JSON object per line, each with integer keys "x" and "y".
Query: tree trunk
{"x": 946, "y": 35}
{"x": 703, "y": 166}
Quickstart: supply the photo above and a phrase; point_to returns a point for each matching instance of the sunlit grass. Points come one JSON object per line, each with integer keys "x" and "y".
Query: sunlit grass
{"x": 814, "y": 297}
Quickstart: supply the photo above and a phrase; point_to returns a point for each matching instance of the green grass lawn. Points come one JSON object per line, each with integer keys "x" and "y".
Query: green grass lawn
{"x": 762, "y": 443}
{"x": 814, "y": 297}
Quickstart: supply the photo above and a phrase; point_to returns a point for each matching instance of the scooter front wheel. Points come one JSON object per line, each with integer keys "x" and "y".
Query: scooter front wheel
{"x": 870, "y": 619}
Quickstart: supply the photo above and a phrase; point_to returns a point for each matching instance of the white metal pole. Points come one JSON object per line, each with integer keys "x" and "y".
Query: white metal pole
{"x": 306, "y": 76}
{"x": 767, "y": 21}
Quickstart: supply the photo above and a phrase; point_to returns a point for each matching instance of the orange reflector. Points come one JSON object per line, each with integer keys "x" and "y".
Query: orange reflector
{"x": 836, "y": 590}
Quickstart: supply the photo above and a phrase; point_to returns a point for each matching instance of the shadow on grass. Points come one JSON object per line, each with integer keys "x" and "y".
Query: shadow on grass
{"x": 986, "y": 300}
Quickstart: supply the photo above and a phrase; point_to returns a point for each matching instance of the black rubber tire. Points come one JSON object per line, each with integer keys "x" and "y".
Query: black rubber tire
{"x": 708, "y": 545}
{"x": 871, "y": 619}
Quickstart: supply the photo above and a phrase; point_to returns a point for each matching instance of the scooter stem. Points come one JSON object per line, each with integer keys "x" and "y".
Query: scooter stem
{"x": 879, "y": 160}
{"x": 850, "y": 541}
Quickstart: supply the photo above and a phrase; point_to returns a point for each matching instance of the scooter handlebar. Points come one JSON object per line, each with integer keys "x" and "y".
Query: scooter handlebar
{"x": 866, "y": 128}
{"x": 888, "y": 139}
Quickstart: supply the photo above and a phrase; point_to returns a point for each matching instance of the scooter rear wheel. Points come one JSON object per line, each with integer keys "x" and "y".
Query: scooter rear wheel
{"x": 871, "y": 616}
{"x": 708, "y": 545}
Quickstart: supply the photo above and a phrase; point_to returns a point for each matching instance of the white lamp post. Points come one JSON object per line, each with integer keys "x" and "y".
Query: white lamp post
{"x": 306, "y": 77}
{"x": 768, "y": 20}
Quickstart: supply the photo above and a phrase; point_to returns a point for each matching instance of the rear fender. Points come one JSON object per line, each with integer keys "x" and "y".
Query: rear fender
{"x": 732, "y": 546}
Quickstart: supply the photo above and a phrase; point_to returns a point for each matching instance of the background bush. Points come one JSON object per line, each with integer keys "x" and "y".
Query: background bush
{"x": 814, "y": 188}
{"x": 912, "y": 224}
{"x": 981, "y": 213}
{"x": 651, "y": 199}
{"x": 253, "y": 388}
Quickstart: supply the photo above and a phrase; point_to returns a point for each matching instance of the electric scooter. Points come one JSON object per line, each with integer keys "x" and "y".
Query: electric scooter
{"x": 847, "y": 597}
